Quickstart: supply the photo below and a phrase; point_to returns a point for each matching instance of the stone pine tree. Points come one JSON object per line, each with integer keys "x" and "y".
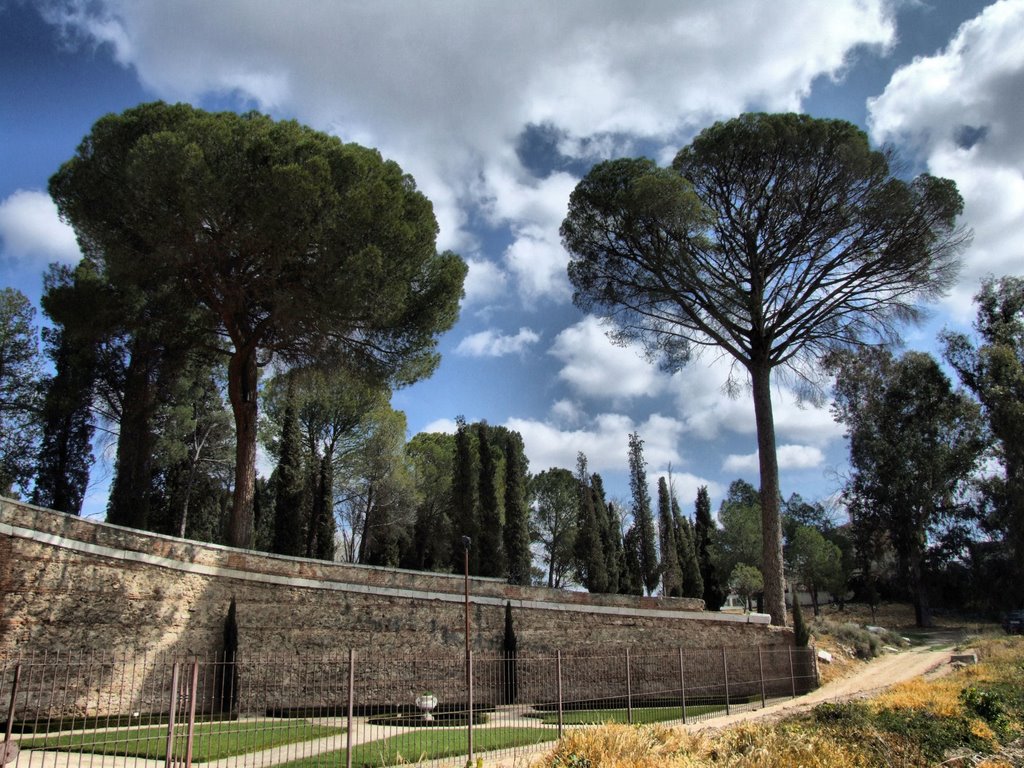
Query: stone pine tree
{"x": 289, "y": 243}
{"x": 489, "y": 545}
{"x": 703, "y": 534}
{"x": 465, "y": 496}
{"x": 643, "y": 519}
{"x": 589, "y": 555}
{"x": 290, "y": 484}
{"x": 671, "y": 573}
{"x": 774, "y": 238}
{"x": 693, "y": 582}
{"x": 517, "y": 513}
{"x": 611, "y": 535}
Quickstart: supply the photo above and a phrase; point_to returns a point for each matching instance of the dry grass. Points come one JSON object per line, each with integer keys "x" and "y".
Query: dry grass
{"x": 918, "y": 723}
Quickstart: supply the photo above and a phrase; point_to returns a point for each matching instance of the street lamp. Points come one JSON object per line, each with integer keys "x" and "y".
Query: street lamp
{"x": 466, "y": 541}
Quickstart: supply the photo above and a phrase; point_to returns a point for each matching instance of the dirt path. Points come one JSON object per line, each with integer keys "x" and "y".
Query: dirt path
{"x": 876, "y": 675}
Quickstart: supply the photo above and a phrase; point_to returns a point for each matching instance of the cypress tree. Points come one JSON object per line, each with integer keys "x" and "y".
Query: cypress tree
{"x": 323, "y": 526}
{"x": 289, "y": 505}
{"x": 491, "y": 552}
{"x": 611, "y": 536}
{"x": 517, "y": 513}
{"x": 631, "y": 581}
{"x": 643, "y": 519}
{"x": 801, "y": 634}
{"x": 465, "y": 499}
{"x": 588, "y": 552}
{"x": 693, "y": 583}
{"x": 671, "y": 574}
{"x": 510, "y": 647}
{"x": 704, "y": 528}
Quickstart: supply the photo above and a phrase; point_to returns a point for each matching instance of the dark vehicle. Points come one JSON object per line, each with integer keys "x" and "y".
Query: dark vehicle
{"x": 1013, "y": 623}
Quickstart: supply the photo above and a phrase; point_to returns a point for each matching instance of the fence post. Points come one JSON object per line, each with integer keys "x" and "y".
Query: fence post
{"x": 725, "y": 678}
{"x": 682, "y": 683}
{"x": 169, "y": 759}
{"x": 760, "y": 668}
{"x": 191, "y": 713}
{"x": 9, "y": 750}
{"x": 629, "y": 691}
{"x": 351, "y": 705}
{"x": 558, "y": 670}
{"x": 792, "y": 674}
{"x": 814, "y": 660}
{"x": 469, "y": 678}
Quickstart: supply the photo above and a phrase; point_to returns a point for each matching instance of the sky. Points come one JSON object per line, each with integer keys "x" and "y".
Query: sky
{"x": 498, "y": 109}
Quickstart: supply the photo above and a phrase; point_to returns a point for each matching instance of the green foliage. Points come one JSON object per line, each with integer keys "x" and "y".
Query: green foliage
{"x": 517, "y": 513}
{"x": 914, "y": 443}
{"x": 643, "y": 520}
{"x": 739, "y": 537}
{"x": 489, "y": 542}
{"x": 671, "y": 572}
{"x": 839, "y": 248}
{"x": 554, "y": 497}
{"x": 815, "y": 562}
{"x": 693, "y": 582}
{"x": 588, "y": 550}
{"x": 288, "y": 241}
{"x": 704, "y": 533}
{"x": 801, "y": 633}
{"x": 432, "y": 458}
{"x": 611, "y": 534}
{"x": 465, "y": 497}
{"x": 290, "y": 519}
{"x": 20, "y": 382}
{"x": 993, "y": 371}
{"x": 746, "y": 581}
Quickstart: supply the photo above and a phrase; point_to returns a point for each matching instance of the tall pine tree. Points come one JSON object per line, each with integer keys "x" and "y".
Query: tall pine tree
{"x": 693, "y": 582}
{"x": 671, "y": 575}
{"x": 611, "y": 536}
{"x": 704, "y": 530}
{"x": 590, "y": 568}
{"x": 490, "y": 549}
{"x": 465, "y": 498}
{"x": 290, "y": 481}
{"x": 643, "y": 519}
{"x": 517, "y": 512}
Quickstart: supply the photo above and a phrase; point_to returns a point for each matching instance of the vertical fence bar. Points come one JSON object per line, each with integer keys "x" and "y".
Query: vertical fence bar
{"x": 629, "y": 691}
{"x": 469, "y": 720}
{"x": 760, "y": 669}
{"x": 792, "y": 674}
{"x": 682, "y": 683}
{"x": 9, "y": 750}
{"x": 558, "y": 670}
{"x": 169, "y": 759}
{"x": 351, "y": 705}
{"x": 725, "y": 679}
{"x": 190, "y": 733}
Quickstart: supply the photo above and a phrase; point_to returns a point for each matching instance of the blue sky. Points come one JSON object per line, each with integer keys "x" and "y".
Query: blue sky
{"x": 497, "y": 109}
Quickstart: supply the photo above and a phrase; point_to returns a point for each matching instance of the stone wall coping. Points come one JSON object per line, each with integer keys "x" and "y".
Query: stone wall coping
{"x": 483, "y": 591}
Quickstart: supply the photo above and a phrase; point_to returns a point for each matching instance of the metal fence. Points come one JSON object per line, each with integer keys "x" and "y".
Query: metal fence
{"x": 362, "y": 708}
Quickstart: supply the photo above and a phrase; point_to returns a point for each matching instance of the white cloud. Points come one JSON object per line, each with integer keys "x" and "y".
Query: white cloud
{"x": 485, "y": 281}
{"x": 491, "y": 343}
{"x": 605, "y": 441}
{"x": 446, "y": 426}
{"x": 445, "y": 88}
{"x": 31, "y": 229}
{"x": 789, "y": 456}
{"x": 961, "y": 110}
{"x": 567, "y": 412}
{"x": 596, "y": 368}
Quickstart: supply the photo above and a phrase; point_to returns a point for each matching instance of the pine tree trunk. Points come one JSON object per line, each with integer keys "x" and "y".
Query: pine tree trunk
{"x": 242, "y": 382}
{"x": 771, "y": 521}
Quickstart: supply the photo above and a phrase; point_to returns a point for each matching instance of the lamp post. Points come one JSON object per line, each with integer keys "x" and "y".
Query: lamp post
{"x": 466, "y": 541}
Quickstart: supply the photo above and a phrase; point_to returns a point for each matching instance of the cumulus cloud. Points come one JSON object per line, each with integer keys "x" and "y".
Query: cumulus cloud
{"x": 491, "y": 343}
{"x": 446, "y": 426}
{"x": 605, "y": 441}
{"x": 960, "y": 110}
{"x": 596, "y": 368}
{"x": 31, "y": 230}
{"x": 484, "y": 282}
{"x": 445, "y": 88}
{"x": 790, "y": 457}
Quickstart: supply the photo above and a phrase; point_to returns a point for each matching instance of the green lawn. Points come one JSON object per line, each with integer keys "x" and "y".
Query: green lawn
{"x": 211, "y": 741}
{"x": 640, "y": 715}
{"x": 428, "y": 744}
